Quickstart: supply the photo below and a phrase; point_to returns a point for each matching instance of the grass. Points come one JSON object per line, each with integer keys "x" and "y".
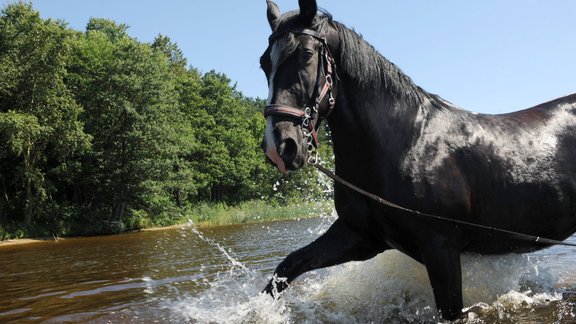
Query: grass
{"x": 253, "y": 212}
{"x": 206, "y": 214}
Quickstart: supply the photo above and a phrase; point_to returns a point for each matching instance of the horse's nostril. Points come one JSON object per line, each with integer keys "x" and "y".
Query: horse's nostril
{"x": 288, "y": 150}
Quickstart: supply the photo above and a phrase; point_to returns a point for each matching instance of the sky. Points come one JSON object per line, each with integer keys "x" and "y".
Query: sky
{"x": 489, "y": 56}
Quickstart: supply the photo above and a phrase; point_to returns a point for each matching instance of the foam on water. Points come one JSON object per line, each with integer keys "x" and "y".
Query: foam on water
{"x": 389, "y": 288}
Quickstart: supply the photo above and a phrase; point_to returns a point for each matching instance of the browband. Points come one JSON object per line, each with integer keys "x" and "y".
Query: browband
{"x": 319, "y": 34}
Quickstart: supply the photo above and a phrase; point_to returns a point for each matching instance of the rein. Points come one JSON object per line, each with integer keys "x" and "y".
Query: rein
{"x": 472, "y": 226}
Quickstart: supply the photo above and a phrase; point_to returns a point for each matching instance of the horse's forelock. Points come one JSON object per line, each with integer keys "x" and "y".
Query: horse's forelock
{"x": 284, "y": 43}
{"x": 291, "y": 20}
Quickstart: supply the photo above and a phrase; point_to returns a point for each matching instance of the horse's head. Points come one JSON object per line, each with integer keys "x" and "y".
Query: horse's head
{"x": 301, "y": 78}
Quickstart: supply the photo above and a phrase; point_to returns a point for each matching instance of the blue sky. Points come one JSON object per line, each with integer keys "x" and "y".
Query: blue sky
{"x": 488, "y": 56}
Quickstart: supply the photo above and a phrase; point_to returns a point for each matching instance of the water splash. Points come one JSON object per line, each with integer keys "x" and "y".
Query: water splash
{"x": 233, "y": 296}
{"x": 233, "y": 261}
{"x": 389, "y": 288}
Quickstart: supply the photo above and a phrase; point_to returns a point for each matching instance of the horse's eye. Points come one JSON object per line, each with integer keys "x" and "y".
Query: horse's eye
{"x": 307, "y": 56}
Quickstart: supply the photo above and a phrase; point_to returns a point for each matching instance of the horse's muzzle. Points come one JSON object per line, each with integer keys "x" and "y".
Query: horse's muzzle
{"x": 283, "y": 146}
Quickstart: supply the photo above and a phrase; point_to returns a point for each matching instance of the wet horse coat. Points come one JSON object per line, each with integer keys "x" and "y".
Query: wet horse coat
{"x": 513, "y": 171}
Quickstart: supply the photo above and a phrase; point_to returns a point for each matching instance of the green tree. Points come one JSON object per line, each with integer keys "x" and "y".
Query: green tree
{"x": 22, "y": 143}
{"x": 185, "y": 180}
{"x": 100, "y": 133}
{"x": 231, "y": 148}
{"x": 112, "y": 30}
{"x": 128, "y": 90}
{"x": 171, "y": 50}
{"x": 34, "y": 58}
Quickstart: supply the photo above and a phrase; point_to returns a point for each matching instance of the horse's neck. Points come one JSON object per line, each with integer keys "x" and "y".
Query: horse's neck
{"x": 373, "y": 130}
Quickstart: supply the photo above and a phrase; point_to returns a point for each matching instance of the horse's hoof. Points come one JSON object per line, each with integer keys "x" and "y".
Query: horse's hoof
{"x": 275, "y": 287}
{"x": 269, "y": 290}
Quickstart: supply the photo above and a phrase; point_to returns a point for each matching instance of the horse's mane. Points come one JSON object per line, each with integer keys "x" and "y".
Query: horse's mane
{"x": 369, "y": 69}
{"x": 359, "y": 60}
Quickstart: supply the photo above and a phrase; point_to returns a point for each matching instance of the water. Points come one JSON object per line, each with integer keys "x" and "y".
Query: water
{"x": 215, "y": 275}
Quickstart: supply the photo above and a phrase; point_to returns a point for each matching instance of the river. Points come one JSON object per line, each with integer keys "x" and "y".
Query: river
{"x": 183, "y": 275}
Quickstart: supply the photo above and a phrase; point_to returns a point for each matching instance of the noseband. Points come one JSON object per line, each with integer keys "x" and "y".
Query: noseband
{"x": 310, "y": 114}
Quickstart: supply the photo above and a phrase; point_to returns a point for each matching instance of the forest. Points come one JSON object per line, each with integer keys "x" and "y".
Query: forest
{"x": 101, "y": 133}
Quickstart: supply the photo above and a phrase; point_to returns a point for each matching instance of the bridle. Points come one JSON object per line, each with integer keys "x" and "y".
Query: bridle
{"x": 310, "y": 115}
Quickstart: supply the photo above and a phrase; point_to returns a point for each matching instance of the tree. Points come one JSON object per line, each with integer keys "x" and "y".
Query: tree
{"x": 35, "y": 100}
{"x": 128, "y": 90}
{"x": 231, "y": 149}
{"x": 100, "y": 132}
{"x": 172, "y": 52}
{"x": 22, "y": 144}
{"x": 112, "y": 30}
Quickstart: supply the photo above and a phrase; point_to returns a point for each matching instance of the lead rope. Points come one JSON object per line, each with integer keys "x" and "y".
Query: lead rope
{"x": 380, "y": 200}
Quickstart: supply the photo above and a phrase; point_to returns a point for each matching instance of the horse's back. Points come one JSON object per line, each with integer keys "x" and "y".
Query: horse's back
{"x": 530, "y": 185}
{"x": 539, "y": 143}
{"x": 528, "y": 145}
{"x": 515, "y": 171}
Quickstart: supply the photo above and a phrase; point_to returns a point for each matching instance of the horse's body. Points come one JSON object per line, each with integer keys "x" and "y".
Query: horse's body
{"x": 514, "y": 171}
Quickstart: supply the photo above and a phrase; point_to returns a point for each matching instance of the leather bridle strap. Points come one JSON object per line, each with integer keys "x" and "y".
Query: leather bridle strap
{"x": 326, "y": 68}
{"x": 283, "y": 110}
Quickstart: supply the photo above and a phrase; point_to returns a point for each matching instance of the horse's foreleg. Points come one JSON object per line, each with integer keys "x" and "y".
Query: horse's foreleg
{"x": 338, "y": 245}
{"x": 442, "y": 262}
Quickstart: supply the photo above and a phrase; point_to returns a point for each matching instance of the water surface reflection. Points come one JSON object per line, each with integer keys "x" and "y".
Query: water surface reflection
{"x": 180, "y": 275}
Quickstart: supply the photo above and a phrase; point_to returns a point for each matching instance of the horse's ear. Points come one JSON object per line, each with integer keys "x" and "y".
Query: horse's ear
{"x": 273, "y": 13}
{"x": 308, "y": 9}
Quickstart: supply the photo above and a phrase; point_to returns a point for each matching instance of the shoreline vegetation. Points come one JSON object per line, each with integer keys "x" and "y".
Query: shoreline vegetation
{"x": 255, "y": 212}
{"x": 206, "y": 216}
{"x": 101, "y": 133}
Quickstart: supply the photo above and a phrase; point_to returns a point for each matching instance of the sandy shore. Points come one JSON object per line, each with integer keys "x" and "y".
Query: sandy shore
{"x": 164, "y": 228}
{"x": 24, "y": 241}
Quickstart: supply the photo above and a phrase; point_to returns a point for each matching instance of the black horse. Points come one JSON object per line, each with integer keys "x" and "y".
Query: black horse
{"x": 513, "y": 171}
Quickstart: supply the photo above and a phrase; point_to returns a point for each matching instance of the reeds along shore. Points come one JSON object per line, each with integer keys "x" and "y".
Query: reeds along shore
{"x": 208, "y": 215}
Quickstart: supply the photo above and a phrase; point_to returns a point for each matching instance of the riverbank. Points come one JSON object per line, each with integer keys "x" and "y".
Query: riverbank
{"x": 210, "y": 215}
{"x": 253, "y": 212}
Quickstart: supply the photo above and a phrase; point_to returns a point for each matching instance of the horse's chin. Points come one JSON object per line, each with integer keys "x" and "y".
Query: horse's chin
{"x": 296, "y": 165}
{"x": 284, "y": 166}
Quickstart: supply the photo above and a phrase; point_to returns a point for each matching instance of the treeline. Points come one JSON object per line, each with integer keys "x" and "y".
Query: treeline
{"x": 101, "y": 133}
